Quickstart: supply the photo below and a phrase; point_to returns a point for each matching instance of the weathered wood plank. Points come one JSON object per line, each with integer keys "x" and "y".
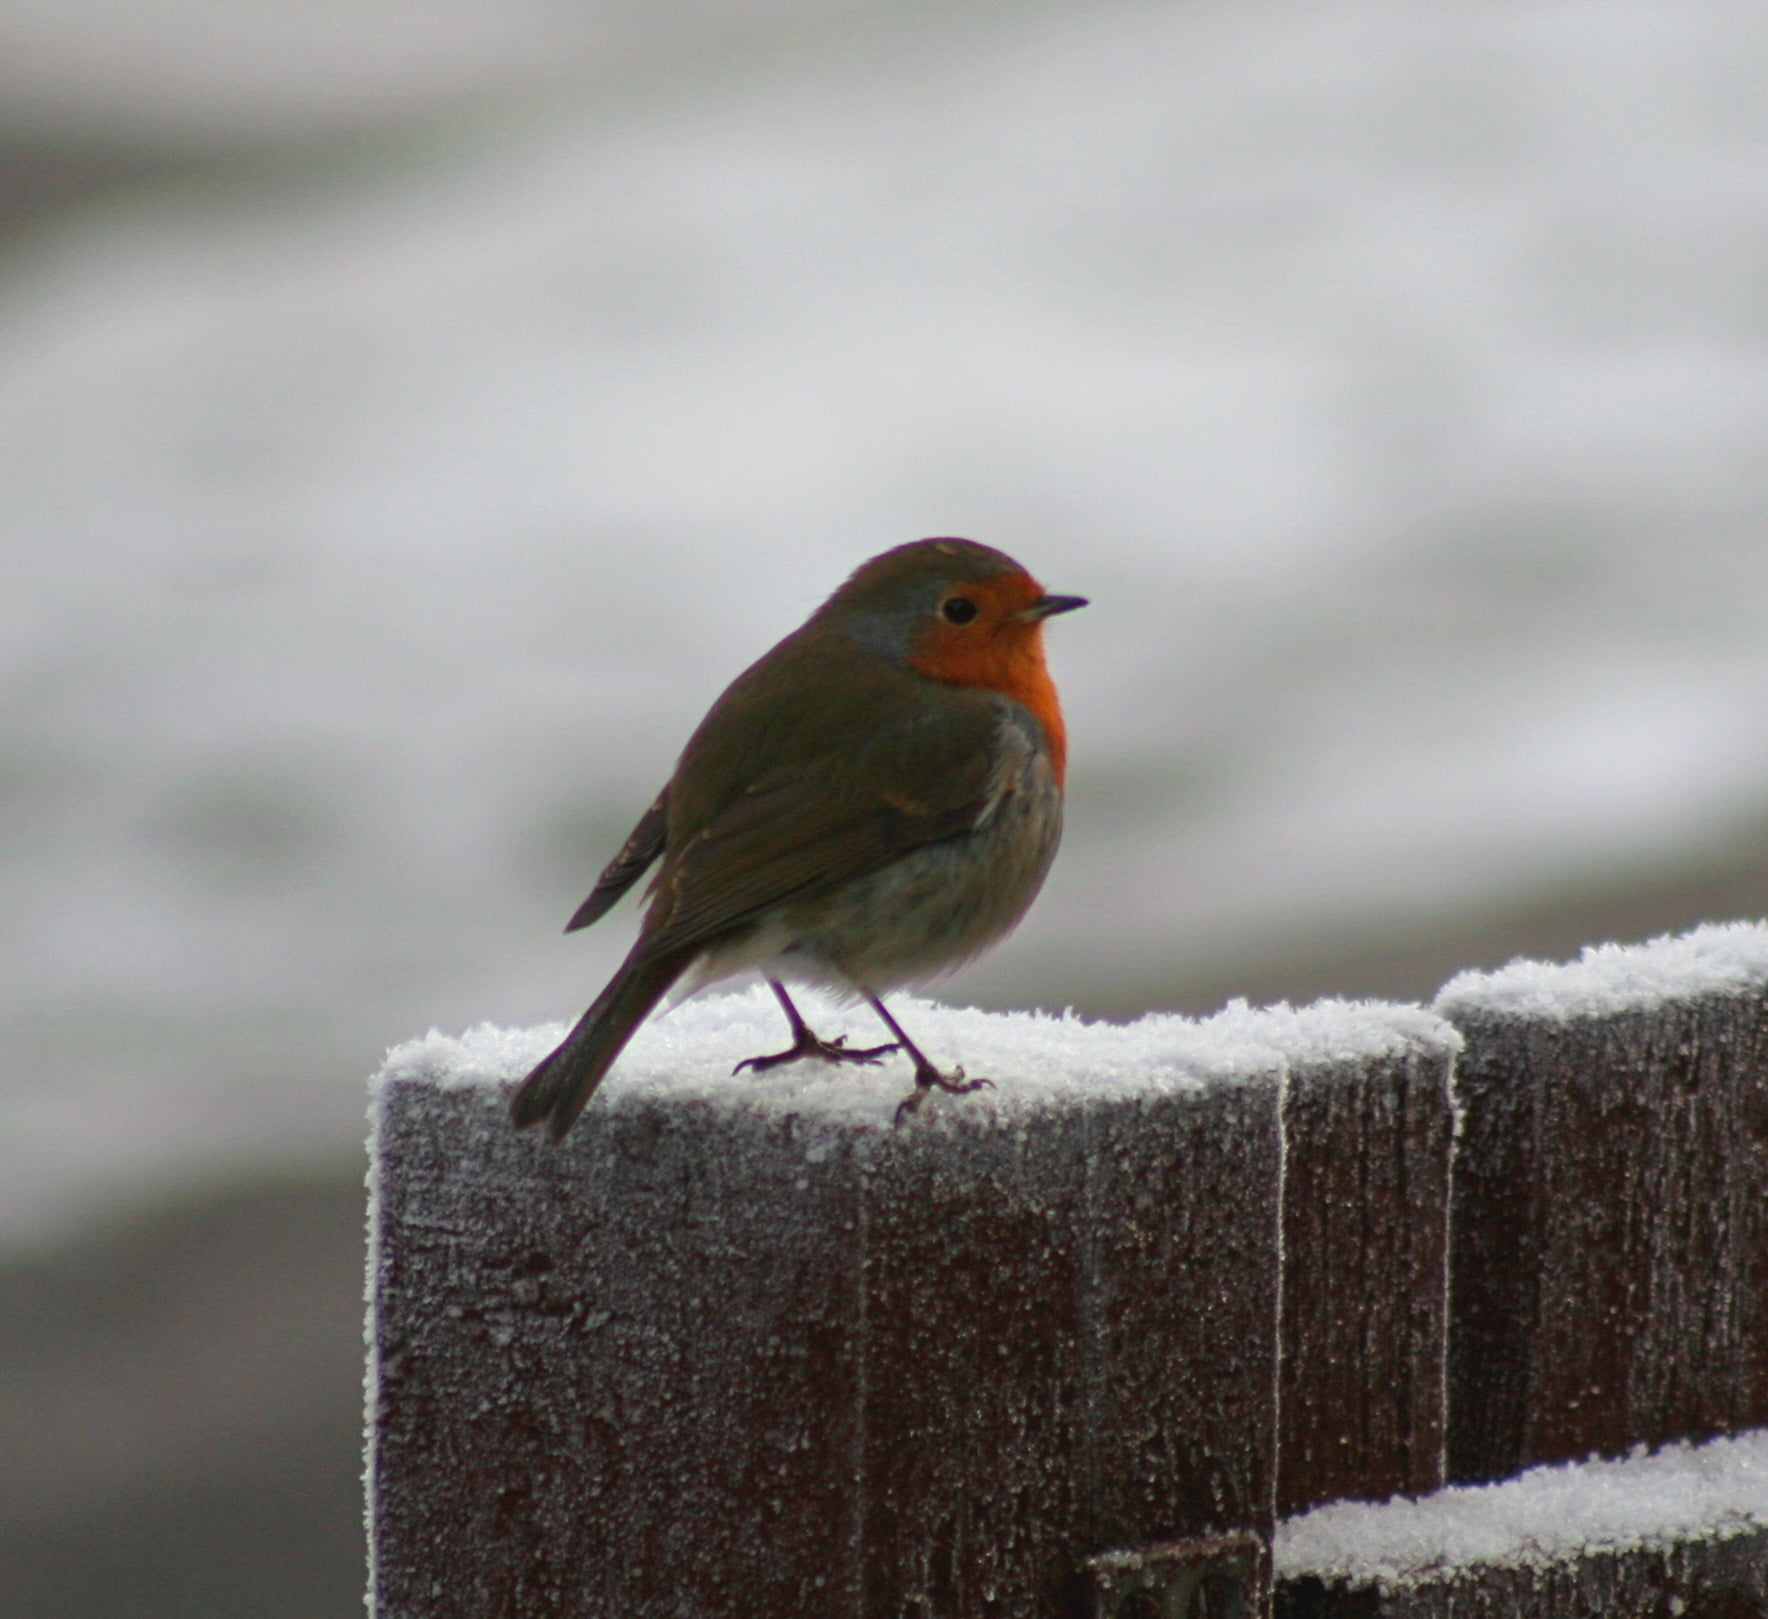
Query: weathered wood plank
{"x": 1365, "y": 1277}
{"x": 1070, "y": 1332}
{"x": 1610, "y": 1223}
{"x": 736, "y": 1361}
{"x": 613, "y": 1374}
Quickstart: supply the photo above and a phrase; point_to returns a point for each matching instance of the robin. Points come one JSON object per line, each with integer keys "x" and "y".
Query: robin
{"x": 875, "y": 801}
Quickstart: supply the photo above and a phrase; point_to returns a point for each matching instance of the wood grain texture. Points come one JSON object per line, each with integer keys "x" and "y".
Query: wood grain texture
{"x": 1610, "y": 1233}
{"x": 682, "y": 1364}
{"x": 1365, "y": 1279}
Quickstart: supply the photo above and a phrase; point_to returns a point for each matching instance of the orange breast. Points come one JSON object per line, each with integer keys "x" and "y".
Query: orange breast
{"x": 1000, "y": 652}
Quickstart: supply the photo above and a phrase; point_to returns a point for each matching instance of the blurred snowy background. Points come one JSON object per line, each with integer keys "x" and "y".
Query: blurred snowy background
{"x": 410, "y": 417}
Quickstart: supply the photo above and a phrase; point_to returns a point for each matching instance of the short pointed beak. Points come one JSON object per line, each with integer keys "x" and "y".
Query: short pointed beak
{"x": 1049, "y": 606}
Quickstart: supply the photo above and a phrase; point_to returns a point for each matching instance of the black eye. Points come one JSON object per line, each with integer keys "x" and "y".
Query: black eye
{"x": 959, "y": 610}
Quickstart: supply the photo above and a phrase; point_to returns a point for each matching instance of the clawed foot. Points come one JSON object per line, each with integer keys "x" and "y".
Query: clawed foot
{"x": 805, "y": 1044}
{"x": 809, "y": 1045}
{"x": 928, "y": 1078}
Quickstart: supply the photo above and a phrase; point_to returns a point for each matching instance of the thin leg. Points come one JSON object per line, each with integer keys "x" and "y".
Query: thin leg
{"x": 927, "y": 1077}
{"x": 806, "y": 1044}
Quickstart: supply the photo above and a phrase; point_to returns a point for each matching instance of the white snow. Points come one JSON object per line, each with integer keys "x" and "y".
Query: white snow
{"x": 1037, "y": 1060}
{"x": 1682, "y": 1492}
{"x": 1723, "y": 958}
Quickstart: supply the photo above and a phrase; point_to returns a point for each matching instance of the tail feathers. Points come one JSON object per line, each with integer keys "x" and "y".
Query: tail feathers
{"x": 561, "y": 1084}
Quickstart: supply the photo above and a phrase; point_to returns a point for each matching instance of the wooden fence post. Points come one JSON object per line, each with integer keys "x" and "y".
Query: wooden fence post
{"x": 725, "y": 1353}
{"x": 1365, "y": 1274}
{"x": 1610, "y": 1226}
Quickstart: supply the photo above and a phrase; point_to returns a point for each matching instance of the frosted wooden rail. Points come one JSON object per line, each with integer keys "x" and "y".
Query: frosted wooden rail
{"x": 1682, "y": 1532}
{"x": 1611, "y": 1203}
{"x": 1073, "y": 1346}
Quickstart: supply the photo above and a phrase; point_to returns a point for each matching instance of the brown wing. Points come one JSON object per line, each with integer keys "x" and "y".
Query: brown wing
{"x": 625, "y": 869}
{"x": 904, "y": 773}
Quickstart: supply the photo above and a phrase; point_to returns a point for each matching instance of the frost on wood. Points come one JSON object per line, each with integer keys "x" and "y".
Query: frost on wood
{"x": 739, "y": 1347}
{"x": 685, "y": 1360}
{"x": 1610, "y": 1223}
{"x": 1365, "y": 1276}
{"x": 1681, "y": 1531}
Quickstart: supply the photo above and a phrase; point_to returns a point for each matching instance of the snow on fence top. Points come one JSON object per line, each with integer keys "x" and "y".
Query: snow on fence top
{"x": 1039, "y": 1060}
{"x": 1719, "y": 958}
{"x": 1546, "y": 1515}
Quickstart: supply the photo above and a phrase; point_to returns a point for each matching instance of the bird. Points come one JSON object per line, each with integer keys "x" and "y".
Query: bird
{"x": 871, "y": 804}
